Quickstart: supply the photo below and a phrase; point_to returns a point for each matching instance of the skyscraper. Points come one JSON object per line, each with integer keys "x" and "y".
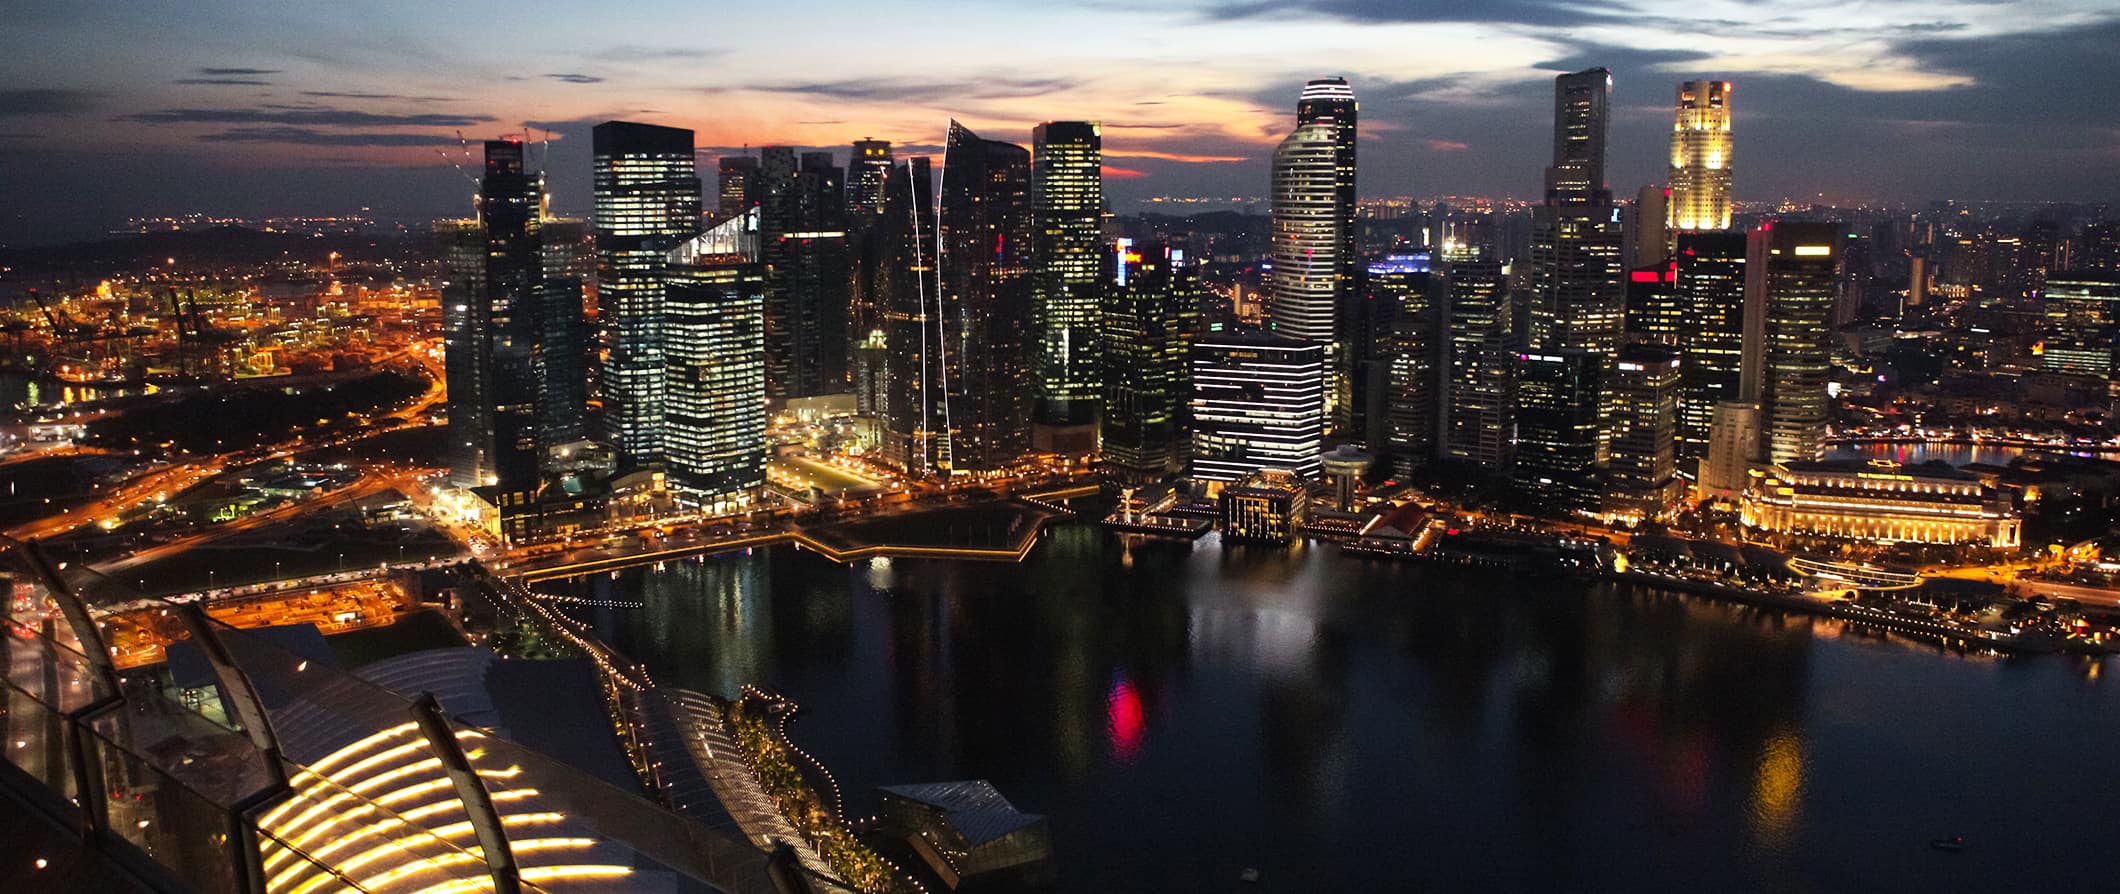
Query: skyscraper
{"x": 739, "y": 187}
{"x": 1412, "y": 376}
{"x": 909, "y": 306}
{"x": 1642, "y": 472}
{"x": 1257, "y": 403}
{"x": 715, "y": 371}
{"x": 1151, "y": 311}
{"x": 985, "y": 228}
{"x": 1653, "y": 312}
{"x": 1700, "y": 157}
{"x": 1067, "y": 207}
{"x": 1557, "y": 427}
{"x": 803, "y": 242}
{"x": 1313, "y": 252}
{"x": 1648, "y": 234}
{"x": 2083, "y": 323}
{"x": 1578, "y": 299}
{"x": 1480, "y": 365}
{"x": 647, "y": 203}
{"x": 867, "y": 188}
{"x": 562, "y": 354}
{"x": 1711, "y": 298}
{"x": 1793, "y": 270}
{"x": 496, "y": 296}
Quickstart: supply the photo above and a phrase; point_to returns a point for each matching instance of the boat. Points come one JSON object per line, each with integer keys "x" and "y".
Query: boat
{"x": 1250, "y": 875}
{"x": 1953, "y": 844}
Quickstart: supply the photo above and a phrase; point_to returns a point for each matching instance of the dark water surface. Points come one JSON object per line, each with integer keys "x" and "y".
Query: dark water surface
{"x": 1184, "y": 711}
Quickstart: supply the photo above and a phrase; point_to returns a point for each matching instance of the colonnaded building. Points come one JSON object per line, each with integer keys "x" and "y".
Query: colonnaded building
{"x": 1880, "y": 501}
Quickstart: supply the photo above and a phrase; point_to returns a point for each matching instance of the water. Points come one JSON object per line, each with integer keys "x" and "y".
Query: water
{"x": 1184, "y": 711}
{"x": 1955, "y": 454}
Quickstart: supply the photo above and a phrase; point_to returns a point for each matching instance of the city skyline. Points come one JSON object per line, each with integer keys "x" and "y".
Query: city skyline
{"x": 1890, "y": 102}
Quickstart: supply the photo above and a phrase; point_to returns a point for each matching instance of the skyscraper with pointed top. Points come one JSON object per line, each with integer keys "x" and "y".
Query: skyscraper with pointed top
{"x": 985, "y": 239}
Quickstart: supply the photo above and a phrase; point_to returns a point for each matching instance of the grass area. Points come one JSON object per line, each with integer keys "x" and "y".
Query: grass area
{"x": 996, "y": 525}
{"x": 252, "y": 562}
{"x": 415, "y": 632}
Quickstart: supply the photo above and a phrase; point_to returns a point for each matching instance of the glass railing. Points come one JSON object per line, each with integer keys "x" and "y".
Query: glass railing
{"x": 342, "y": 792}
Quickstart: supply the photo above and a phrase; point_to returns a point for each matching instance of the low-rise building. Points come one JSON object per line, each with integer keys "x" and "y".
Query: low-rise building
{"x": 1270, "y": 505}
{"x": 1880, "y": 501}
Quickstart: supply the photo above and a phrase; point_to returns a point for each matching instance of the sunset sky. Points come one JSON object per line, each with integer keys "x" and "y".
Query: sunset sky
{"x": 110, "y": 109}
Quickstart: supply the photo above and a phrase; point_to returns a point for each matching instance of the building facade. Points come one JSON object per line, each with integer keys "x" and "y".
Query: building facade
{"x": 986, "y": 323}
{"x": 1257, "y": 403}
{"x": 1642, "y": 473}
{"x": 1700, "y": 157}
{"x": 1710, "y": 292}
{"x": 715, "y": 367}
{"x": 1557, "y": 427}
{"x": 1151, "y": 310}
{"x": 1480, "y": 365}
{"x": 1793, "y": 277}
{"x": 1067, "y": 210}
{"x": 647, "y": 204}
{"x": 1880, "y": 501}
{"x": 803, "y": 242}
{"x": 2082, "y": 324}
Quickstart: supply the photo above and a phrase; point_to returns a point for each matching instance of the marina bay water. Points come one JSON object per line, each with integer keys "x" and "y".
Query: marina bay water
{"x": 1184, "y": 711}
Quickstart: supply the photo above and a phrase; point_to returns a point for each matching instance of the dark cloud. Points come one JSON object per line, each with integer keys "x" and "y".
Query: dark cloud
{"x": 238, "y": 72}
{"x": 305, "y": 136}
{"x": 1512, "y": 12}
{"x": 223, "y": 82}
{"x": 923, "y": 92}
{"x": 39, "y": 101}
{"x": 397, "y": 97}
{"x": 575, "y": 78}
{"x": 304, "y": 117}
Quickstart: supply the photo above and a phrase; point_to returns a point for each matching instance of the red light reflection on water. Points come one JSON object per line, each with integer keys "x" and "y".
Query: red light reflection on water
{"x": 1124, "y": 721}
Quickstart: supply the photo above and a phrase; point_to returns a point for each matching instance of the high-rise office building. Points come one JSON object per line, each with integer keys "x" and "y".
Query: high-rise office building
{"x": 1711, "y": 296}
{"x": 1481, "y": 364}
{"x": 1653, "y": 312}
{"x": 867, "y": 188}
{"x": 2097, "y": 248}
{"x": 1734, "y": 443}
{"x": 1643, "y": 470}
{"x": 2082, "y": 323}
{"x": 1578, "y": 297}
{"x": 647, "y": 204}
{"x": 1067, "y": 209}
{"x": 909, "y": 306}
{"x": 1557, "y": 427}
{"x": 1151, "y": 310}
{"x": 1700, "y": 157}
{"x": 1307, "y": 234}
{"x": 1412, "y": 377}
{"x": 496, "y": 307}
{"x": 563, "y": 353}
{"x": 1582, "y": 112}
{"x": 803, "y": 241}
{"x": 1257, "y": 403}
{"x": 1648, "y": 237}
{"x": 739, "y": 185}
{"x": 1792, "y": 271}
{"x": 985, "y": 236}
{"x": 715, "y": 369}
{"x": 1312, "y": 245}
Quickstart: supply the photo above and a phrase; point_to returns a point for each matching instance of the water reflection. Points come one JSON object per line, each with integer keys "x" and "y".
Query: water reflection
{"x": 1184, "y": 710}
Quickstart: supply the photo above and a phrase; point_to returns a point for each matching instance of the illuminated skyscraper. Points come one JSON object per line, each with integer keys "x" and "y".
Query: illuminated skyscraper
{"x": 803, "y": 242}
{"x": 1151, "y": 311}
{"x": 1480, "y": 365}
{"x": 496, "y": 303}
{"x": 715, "y": 370}
{"x": 1067, "y": 208}
{"x": 985, "y": 227}
{"x": 1257, "y": 403}
{"x": 2083, "y": 324}
{"x": 1710, "y": 289}
{"x": 1578, "y": 295}
{"x": 740, "y": 188}
{"x": 867, "y": 188}
{"x": 1332, "y": 100}
{"x": 1557, "y": 427}
{"x": 1307, "y": 234}
{"x": 1642, "y": 473}
{"x": 1700, "y": 157}
{"x": 908, "y": 304}
{"x": 1653, "y": 314}
{"x": 647, "y": 204}
{"x": 1792, "y": 273}
{"x": 1411, "y": 379}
